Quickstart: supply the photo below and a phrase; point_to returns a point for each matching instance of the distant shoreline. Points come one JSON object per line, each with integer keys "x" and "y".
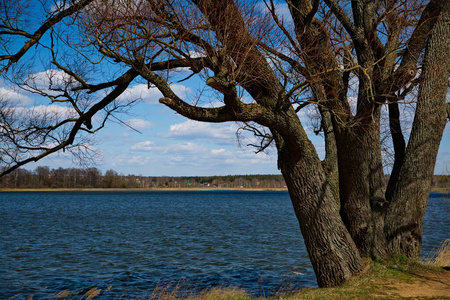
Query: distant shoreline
{"x": 441, "y": 190}
{"x": 138, "y": 189}
{"x": 436, "y": 190}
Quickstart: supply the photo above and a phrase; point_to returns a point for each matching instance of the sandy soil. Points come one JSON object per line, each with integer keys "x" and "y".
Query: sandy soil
{"x": 424, "y": 284}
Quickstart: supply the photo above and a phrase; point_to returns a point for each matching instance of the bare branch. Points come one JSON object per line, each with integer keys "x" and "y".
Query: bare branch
{"x": 248, "y": 112}
{"x": 264, "y": 137}
{"x": 68, "y": 140}
{"x": 36, "y": 36}
{"x": 416, "y": 44}
{"x": 345, "y": 21}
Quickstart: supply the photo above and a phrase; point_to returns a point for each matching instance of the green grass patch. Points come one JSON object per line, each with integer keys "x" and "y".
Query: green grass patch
{"x": 380, "y": 279}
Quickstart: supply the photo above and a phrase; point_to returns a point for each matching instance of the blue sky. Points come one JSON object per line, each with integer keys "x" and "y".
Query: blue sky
{"x": 158, "y": 142}
{"x": 152, "y": 140}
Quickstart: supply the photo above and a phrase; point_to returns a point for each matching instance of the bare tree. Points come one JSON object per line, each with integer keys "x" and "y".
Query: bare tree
{"x": 348, "y": 59}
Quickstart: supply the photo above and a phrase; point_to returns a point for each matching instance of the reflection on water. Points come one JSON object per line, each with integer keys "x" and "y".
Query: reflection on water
{"x": 135, "y": 241}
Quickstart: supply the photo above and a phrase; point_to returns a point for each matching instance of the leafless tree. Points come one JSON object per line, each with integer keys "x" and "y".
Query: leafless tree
{"x": 348, "y": 59}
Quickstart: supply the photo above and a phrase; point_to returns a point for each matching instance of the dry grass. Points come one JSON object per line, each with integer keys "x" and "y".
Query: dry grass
{"x": 440, "y": 257}
{"x": 169, "y": 292}
{"x": 396, "y": 278}
{"x": 92, "y": 293}
{"x": 222, "y": 294}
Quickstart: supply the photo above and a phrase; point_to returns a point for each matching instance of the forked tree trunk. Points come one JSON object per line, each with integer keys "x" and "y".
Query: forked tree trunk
{"x": 404, "y": 220}
{"x": 333, "y": 253}
{"x": 331, "y": 249}
{"x": 362, "y": 186}
{"x": 335, "y": 237}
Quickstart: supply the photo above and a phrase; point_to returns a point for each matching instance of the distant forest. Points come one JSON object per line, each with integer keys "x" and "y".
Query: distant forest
{"x": 44, "y": 177}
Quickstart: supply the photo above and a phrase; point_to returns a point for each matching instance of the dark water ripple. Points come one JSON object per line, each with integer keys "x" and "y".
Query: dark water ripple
{"x": 133, "y": 242}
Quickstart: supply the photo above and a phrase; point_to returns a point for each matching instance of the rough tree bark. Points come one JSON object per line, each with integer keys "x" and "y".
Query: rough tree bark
{"x": 344, "y": 210}
{"x": 356, "y": 138}
{"x": 333, "y": 254}
{"x": 404, "y": 218}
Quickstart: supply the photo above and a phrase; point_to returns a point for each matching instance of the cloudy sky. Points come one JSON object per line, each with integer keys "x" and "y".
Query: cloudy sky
{"x": 152, "y": 140}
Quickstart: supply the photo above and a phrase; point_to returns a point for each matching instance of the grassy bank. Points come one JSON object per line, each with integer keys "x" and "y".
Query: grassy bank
{"x": 397, "y": 278}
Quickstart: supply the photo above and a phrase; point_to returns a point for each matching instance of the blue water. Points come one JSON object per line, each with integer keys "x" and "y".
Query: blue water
{"x": 133, "y": 242}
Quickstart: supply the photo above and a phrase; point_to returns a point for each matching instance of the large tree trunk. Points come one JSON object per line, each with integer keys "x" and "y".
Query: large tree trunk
{"x": 361, "y": 177}
{"x": 333, "y": 254}
{"x": 404, "y": 219}
{"x": 353, "y": 143}
{"x": 361, "y": 187}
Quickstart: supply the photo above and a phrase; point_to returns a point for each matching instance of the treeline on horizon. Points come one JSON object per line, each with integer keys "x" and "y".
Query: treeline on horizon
{"x": 46, "y": 178}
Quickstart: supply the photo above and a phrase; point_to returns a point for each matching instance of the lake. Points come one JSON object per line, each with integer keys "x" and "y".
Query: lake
{"x": 134, "y": 241}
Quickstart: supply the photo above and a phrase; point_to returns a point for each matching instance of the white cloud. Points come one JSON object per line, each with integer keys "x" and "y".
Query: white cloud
{"x": 221, "y": 153}
{"x": 139, "y": 124}
{"x": 143, "y": 146}
{"x": 182, "y": 154}
{"x": 249, "y": 159}
{"x": 134, "y": 160}
{"x": 15, "y": 98}
{"x": 152, "y": 95}
{"x": 174, "y": 149}
{"x": 186, "y": 147}
{"x": 54, "y": 78}
{"x": 193, "y": 159}
{"x": 53, "y": 109}
{"x": 200, "y": 130}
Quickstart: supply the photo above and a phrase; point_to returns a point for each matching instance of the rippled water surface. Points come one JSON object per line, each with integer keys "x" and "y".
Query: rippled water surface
{"x": 135, "y": 241}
